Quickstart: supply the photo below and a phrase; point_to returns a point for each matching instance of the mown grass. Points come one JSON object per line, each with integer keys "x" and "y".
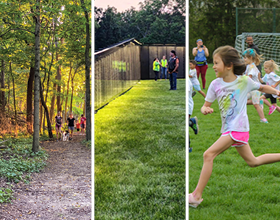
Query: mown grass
{"x": 17, "y": 162}
{"x": 140, "y": 154}
{"x": 236, "y": 191}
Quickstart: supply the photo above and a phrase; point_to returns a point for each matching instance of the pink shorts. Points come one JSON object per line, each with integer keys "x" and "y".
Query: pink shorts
{"x": 241, "y": 138}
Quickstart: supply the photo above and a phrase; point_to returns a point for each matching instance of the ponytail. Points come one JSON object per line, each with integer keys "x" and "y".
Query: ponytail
{"x": 255, "y": 57}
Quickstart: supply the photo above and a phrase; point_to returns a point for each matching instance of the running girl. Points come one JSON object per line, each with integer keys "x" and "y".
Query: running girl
{"x": 252, "y": 59}
{"x": 193, "y": 78}
{"x": 230, "y": 89}
{"x": 273, "y": 80}
{"x": 58, "y": 122}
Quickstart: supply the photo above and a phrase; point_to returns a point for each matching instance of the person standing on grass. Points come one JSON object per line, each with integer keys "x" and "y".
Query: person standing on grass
{"x": 71, "y": 125}
{"x": 173, "y": 65}
{"x": 200, "y": 53}
{"x": 163, "y": 68}
{"x": 58, "y": 124}
{"x": 193, "y": 78}
{"x": 273, "y": 80}
{"x": 83, "y": 124}
{"x": 251, "y": 59}
{"x": 251, "y": 45}
{"x": 156, "y": 67}
{"x": 230, "y": 89}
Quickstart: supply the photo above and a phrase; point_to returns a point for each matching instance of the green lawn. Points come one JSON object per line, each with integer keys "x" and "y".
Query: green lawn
{"x": 140, "y": 154}
{"x": 236, "y": 191}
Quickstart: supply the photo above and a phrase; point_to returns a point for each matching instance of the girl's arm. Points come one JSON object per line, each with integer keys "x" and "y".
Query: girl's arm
{"x": 276, "y": 84}
{"x": 269, "y": 90}
{"x": 205, "y": 109}
{"x": 260, "y": 79}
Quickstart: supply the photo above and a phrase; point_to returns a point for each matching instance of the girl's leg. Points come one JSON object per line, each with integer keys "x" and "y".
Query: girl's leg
{"x": 249, "y": 102}
{"x": 265, "y": 101}
{"x": 247, "y": 154}
{"x": 277, "y": 107}
{"x": 56, "y": 129}
{"x": 259, "y": 110}
{"x": 202, "y": 93}
{"x": 223, "y": 143}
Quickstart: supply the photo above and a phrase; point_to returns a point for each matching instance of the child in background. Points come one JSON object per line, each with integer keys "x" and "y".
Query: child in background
{"x": 252, "y": 59}
{"x": 156, "y": 67}
{"x": 193, "y": 123}
{"x": 271, "y": 79}
{"x": 78, "y": 127}
{"x": 83, "y": 124}
{"x": 193, "y": 78}
{"x": 230, "y": 89}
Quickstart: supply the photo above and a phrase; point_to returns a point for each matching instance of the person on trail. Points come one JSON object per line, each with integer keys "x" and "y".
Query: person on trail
{"x": 173, "y": 65}
{"x": 58, "y": 123}
{"x": 83, "y": 124}
{"x": 71, "y": 124}
{"x": 78, "y": 126}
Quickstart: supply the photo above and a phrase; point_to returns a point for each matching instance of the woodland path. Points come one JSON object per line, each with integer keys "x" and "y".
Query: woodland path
{"x": 61, "y": 191}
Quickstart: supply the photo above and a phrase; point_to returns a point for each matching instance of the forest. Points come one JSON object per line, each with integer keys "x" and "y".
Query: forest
{"x": 156, "y": 22}
{"x": 44, "y": 65}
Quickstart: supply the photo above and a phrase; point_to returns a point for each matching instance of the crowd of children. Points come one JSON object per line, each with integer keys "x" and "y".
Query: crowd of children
{"x": 238, "y": 84}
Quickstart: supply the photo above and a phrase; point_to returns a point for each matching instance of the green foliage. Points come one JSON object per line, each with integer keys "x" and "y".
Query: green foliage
{"x": 214, "y": 21}
{"x": 157, "y": 21}
{"x": 17, "y": 162}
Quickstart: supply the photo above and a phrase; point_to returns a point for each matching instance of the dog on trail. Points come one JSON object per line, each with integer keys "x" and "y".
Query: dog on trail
{"x": 65, "y": 135}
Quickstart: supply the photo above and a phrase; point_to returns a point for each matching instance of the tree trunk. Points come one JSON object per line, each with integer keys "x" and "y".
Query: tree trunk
{"x": 67, "y": 92}
{"x": 2, "y": 93}
{"x": 72, "y": 85}
{"x": 87, "y": 73}
{"x": 52, "y": 103}
{"x": 35, "y": 146}
{"x": 29, "y": 100}
{"x": 14, "y": 96}
{"x": 46, "y": 113}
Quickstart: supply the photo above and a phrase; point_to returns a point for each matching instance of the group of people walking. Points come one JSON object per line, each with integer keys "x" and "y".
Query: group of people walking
{"x": 71, "y": 124}
{"x": 171, "y": 67}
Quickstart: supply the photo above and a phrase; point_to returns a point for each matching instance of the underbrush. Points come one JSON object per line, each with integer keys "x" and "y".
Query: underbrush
{"x": 17, "y": 162}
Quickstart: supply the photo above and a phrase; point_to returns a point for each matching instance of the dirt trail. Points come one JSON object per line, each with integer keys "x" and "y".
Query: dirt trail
{"x": 61, "y": 191}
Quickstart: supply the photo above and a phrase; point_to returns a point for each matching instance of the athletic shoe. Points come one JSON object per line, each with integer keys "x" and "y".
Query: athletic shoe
{"x": 271, "y": 109}
{"x": 193, "y": 93}
{"x": 194, "y": 125}
{"x": 192, "y": 202}
{"x": 264, "y": 120}
{"x": 261, "y": 103}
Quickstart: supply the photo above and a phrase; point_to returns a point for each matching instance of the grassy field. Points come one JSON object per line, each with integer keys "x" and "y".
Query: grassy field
{"x": 236, "y": 191}
{"x": 140, "y": 154}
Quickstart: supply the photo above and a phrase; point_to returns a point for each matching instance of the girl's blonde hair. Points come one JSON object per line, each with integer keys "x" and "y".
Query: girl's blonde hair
{"x": 272, "y": 65}
{"x": 251, "y": 53}
{"x": 230, "y": 56}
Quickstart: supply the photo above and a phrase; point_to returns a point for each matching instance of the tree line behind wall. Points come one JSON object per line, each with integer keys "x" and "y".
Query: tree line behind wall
{"x": 215, "y": 21}
{"x": 157, "y": 22}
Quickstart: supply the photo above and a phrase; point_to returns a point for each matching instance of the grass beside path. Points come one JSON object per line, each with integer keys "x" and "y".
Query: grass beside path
{"x": 235, "y": 190}
{"x": 140, "y": 154}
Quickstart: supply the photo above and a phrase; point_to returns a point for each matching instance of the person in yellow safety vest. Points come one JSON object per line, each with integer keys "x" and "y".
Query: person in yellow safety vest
{"x": 156, "y": 67}
{"x": 163, "y": 67}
